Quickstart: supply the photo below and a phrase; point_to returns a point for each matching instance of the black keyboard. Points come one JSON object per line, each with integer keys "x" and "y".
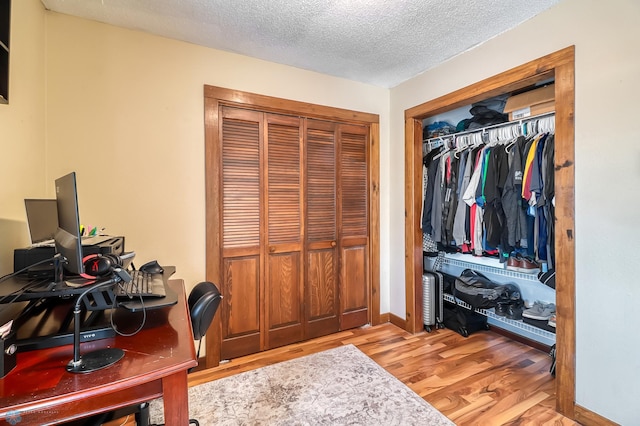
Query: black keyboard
{"x": 142, "y": 284}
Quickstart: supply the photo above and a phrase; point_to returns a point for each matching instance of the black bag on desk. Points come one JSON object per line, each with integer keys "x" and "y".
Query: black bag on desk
{"x": 462, "y": 320}
{"x": 477, "y": 290}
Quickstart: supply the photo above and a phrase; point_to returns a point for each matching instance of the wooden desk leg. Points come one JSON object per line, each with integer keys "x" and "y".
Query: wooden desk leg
{"x": 176, "y": 399}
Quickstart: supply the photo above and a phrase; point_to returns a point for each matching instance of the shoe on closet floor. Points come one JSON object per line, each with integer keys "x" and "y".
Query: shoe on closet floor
{"x": 540, "y": 311}
{"x": 502, "y": 307}
{"x": 515, "y": 310}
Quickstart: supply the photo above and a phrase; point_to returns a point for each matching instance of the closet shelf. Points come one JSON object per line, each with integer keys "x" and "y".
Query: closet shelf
{"x": 547, "y": 336}
{"x": 481, "y": 264}
{"x": 439, "y": 140}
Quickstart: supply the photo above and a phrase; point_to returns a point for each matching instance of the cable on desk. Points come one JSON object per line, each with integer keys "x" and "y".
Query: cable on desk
{"x": 144, "y": 317}
{"x": 58, "y": 256}
{"x": 19, "y": 292}
{"x": 4, "y": 305}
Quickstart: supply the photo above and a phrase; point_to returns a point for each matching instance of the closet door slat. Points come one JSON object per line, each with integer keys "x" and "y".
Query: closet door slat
{"x": 284, "y": 189}
{"x": 321, "y": 185}
{"x": 241, "y": 183}
{"x": 353, "y": 176}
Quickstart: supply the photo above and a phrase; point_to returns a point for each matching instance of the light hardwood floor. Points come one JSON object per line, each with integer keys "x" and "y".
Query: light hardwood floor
{"x": 484, "y": 379}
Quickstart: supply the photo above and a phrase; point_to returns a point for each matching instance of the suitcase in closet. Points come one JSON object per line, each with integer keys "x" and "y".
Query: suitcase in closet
{"x": 432, "y": 304}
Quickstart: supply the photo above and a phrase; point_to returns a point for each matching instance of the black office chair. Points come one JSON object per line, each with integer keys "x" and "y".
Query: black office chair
{"x": 203, "y": 303}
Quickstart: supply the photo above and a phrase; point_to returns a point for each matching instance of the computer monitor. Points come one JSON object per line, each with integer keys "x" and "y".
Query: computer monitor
{"x": 67, "y": 237}
{"x": 42, "y": 219}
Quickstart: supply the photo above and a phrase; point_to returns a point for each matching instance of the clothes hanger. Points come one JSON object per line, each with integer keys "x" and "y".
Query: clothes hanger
{"x": 493, "y": 136}
{"x": 517, "y": 131}
{"x": 478, "y": 139}
{"x": 547, "y": 124}
{"x": 460, "y": 145}
{"x": 446, "y": 150}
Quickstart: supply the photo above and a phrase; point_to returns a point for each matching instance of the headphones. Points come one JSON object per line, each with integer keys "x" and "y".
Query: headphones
{"x": 100, "y": 265}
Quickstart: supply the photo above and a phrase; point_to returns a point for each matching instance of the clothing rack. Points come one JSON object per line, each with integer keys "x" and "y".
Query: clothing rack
{"x": 459, "y": 141}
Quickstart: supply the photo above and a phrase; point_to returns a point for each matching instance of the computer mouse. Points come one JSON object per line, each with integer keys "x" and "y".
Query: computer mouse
{"x": 152, "y": 267}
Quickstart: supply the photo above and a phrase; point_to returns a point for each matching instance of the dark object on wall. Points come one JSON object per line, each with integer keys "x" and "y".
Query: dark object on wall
{"x": 5, "y": 21}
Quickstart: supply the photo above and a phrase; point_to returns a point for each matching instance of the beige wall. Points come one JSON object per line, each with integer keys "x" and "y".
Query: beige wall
{"x": 125, "y": 111}
{"x": 606, "y": 36}
{"x": 22, "y": 130}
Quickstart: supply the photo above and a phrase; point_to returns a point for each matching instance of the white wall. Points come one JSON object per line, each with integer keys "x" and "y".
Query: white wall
{"x": 22, "y": 133}
{"x": 607, "y": 38}
{"x": 125, "y": 111}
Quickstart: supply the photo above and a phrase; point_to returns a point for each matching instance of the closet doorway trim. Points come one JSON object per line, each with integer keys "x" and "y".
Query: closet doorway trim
{"x": 560, "y": 66}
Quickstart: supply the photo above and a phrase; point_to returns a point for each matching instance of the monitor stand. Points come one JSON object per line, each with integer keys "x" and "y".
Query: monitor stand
{"x": 46, "y": 323}
{"x": 60, "y": 339}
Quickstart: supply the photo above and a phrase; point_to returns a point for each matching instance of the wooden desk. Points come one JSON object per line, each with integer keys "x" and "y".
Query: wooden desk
{"x": 40, "y": 390}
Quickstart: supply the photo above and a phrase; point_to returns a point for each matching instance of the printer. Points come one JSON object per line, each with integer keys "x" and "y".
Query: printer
{"x": 99, "y": 244}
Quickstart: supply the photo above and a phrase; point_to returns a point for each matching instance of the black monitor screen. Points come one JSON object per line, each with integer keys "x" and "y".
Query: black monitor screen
{"x": 67, "y": 237}
{"x": 42, "y": 218}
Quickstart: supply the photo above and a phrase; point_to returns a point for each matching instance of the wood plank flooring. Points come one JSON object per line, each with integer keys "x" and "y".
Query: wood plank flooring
{"x": 484, "y": 379}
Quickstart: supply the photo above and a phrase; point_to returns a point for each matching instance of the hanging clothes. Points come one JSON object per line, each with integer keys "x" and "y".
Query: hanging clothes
{"x": 460, "y": 228}
{"x": 450, "y": 201}
{"x": 475, "y": 211}
{"x": 514, "y": 209}
{"x": 492, "y": 199}
{"x": 431, "y": 164}
{"x": 548, "y": 207}
{"x": 494, "y": 217}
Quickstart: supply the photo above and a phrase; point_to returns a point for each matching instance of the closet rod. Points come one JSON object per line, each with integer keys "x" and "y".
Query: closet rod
{"x": 493, "y": 126}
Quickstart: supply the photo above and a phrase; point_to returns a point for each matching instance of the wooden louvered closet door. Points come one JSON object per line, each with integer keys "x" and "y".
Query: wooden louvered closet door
{"x": 294, "y": 229}
{"x": 241, "y": 136}
{"x": 322, "y": 232}
{"x": 353, "y": 229}
{"x": 284, "y": 291}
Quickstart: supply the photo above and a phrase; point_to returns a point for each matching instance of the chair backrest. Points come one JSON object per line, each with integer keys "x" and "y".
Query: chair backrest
{"x": 203, "y": 302}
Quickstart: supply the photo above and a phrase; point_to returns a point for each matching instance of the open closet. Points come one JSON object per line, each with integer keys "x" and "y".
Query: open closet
{"x": 557, "y": 67}
{"x": 489, "y": 203}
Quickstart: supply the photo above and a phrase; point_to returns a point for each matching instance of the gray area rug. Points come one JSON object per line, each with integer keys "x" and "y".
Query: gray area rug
{"x": 340, "y": 386}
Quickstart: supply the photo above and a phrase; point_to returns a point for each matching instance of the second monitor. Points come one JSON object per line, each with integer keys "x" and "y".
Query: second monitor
{"x": 67, "y": 237}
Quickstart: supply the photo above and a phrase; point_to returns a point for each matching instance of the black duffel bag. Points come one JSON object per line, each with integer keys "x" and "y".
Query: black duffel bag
{"x": 477, "y": 290}
{"x": 462, "y": 320}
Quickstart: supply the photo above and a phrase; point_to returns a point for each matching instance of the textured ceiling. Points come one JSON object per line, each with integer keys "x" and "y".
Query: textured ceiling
{"x": 380, "y": 42}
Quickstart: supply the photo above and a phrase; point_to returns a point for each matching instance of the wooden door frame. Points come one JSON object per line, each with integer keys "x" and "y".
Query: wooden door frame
{"x": 214, "y": 97}
{"x": 561, "y": 66}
